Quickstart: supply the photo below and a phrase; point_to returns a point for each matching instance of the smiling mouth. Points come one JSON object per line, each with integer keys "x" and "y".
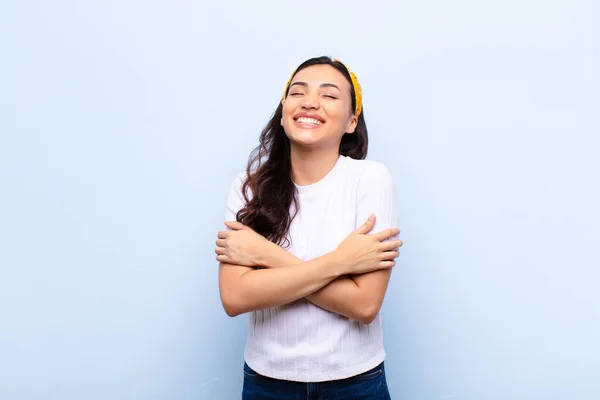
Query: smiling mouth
{"x": 308, "y": 121}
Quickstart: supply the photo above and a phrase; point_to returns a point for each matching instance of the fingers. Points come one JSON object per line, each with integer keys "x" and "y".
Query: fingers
{"x": 391, "y": 245}
{"x": 222, "y": 234}
{"x": 224, "y": 259}
{"x": 390, "y": 255}
{"x": 236, "y": 226}
{"x": 387, "y": 264}
{"x": 219, "y": 250}
{"x": 387, "y": 234}
{"x": 367, "y": 226}
{"x": 221, "y": 242}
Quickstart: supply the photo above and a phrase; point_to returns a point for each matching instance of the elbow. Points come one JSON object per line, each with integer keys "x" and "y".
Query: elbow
{"x": 231, "y": 311}
{"x": 231, "y": 307}
{"x": 366, "y": 320}
{"x": 367, "y": 314}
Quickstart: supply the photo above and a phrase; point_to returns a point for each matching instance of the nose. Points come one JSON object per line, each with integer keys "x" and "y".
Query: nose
{"x": 310, "y": 101}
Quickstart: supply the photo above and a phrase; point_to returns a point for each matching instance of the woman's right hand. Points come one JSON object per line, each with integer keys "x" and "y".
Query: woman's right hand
{"x": 361, "y": 253}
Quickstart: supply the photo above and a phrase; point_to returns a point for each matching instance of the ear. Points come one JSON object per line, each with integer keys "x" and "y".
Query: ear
{"x": 352, "y": 125}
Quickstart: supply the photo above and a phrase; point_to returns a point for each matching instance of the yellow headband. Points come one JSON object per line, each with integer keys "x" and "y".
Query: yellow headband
{"x": 355, "y": 85}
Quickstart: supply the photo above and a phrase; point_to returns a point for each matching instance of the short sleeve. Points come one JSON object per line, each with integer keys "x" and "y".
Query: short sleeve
{"x": 235, "y": 198}
{"x": 375, "y": 195}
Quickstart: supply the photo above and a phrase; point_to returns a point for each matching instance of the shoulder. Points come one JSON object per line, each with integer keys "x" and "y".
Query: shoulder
{"x": 368, "y": 170}
{"x": 235, "y": 195}
{"x": 238, "y": 180}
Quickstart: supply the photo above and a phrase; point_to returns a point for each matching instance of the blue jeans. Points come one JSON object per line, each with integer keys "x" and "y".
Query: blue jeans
{"x": 370, "y": 385}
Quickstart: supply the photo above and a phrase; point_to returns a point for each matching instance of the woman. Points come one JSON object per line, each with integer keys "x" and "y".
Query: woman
{"x": 310, "y": 244}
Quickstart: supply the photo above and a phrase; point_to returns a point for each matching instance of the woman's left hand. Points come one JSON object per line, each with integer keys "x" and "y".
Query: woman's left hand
{"x": 241, "y": 245}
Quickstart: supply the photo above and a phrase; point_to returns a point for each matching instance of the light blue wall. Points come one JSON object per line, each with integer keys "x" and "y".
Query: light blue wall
{"x": 123, "y": 122}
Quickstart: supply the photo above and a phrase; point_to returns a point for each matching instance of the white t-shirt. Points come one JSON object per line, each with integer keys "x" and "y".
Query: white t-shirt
{"x": 300, "y": 341}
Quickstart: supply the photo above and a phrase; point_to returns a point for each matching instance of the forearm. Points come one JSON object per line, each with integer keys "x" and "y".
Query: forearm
{"x": 342, "y": 296}
{"x": 263, "y": 288}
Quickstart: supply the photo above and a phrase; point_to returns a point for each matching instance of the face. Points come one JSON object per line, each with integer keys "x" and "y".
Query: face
{"x": 317, "y": 110}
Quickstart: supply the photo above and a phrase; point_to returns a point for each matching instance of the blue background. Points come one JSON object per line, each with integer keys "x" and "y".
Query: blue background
{"x": 123, "y": 123}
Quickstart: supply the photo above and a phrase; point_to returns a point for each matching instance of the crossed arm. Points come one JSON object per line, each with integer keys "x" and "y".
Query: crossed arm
{"x": 350, "y": 281}
{"x": 356, "y": 296}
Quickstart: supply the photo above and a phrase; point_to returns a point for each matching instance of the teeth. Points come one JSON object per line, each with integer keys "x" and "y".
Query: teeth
{"x": 312, "y": 121}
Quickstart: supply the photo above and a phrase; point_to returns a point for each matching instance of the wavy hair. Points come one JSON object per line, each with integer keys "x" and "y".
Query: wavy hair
{"x": 269, "y": 211}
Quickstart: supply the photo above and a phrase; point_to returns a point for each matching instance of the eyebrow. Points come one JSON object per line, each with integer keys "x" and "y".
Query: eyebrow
{"x": 321, "y": 85}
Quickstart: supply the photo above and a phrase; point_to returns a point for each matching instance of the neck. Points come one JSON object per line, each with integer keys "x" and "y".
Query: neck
{"x": 310, "y": 166}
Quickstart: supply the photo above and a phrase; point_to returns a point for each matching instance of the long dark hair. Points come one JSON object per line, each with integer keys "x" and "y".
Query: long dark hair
{"x": 269, "y": 169}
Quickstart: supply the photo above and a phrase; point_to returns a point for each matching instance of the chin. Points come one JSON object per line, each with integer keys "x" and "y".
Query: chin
{"x": 305, "y": 137}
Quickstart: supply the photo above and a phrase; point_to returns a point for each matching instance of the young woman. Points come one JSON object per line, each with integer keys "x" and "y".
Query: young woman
{"x": 311, "y": 240}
